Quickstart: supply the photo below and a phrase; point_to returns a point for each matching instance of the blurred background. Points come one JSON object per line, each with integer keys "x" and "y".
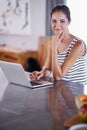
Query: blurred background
{"x": 25, "y": 24}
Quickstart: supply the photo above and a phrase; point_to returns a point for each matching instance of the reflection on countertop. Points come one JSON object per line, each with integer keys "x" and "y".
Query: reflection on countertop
{"x": 47, "y": 107}
{"x": 61, "y": 101}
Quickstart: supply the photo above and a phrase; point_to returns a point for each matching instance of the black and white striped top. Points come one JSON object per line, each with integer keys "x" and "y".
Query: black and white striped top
{"x": 78, "y": 73}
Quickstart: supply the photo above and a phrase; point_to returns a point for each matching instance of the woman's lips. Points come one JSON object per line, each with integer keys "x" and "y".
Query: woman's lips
{"x": 59, "y": 31}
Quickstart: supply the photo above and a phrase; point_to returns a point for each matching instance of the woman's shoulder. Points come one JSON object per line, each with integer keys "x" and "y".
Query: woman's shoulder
{"x": 76, "y": 40}
{"x": 79, "y": 43}
{"x": 49, "y": 40}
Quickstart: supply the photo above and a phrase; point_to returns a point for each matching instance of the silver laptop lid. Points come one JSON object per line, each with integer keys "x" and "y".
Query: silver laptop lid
{"x": 15, "y": 73}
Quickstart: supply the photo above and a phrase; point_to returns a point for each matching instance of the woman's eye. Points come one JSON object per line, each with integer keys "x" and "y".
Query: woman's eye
{"x": 62, "y": 21}
{"x": 53, "y": 21}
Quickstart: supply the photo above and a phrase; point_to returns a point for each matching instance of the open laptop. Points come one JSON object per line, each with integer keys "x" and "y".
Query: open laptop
{"x": 15, "y": 73}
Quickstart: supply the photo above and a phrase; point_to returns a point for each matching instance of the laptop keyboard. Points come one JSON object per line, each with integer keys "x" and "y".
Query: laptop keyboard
{"x": 34, "y": 83}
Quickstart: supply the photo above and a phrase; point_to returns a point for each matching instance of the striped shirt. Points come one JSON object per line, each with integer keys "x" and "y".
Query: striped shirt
{"x": 78, "y": 72}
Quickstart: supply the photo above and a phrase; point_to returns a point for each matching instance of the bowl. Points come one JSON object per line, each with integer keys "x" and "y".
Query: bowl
{"x": 78, "y": 127}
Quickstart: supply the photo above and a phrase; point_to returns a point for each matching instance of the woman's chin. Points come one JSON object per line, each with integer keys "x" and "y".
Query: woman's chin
{"x": 58, "y": 33}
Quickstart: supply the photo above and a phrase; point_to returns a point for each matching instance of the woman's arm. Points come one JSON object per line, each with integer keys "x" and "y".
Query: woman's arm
{"x": 36, "y": 75}
{"x": 60, "y": 70}
{"x": 47, "y": 65}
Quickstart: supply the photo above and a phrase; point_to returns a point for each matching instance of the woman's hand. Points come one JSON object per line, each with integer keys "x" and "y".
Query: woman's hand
{"x": 56, "y": 40}
{"x": 36, "y": 75}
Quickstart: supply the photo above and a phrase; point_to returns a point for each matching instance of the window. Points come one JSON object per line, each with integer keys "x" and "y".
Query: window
{"x": 78, "y": 24}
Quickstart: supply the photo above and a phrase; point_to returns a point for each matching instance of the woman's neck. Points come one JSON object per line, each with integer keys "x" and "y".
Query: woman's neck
{"x": 66, "y": 37}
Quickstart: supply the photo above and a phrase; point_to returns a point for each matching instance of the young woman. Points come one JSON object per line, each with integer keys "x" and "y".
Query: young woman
{"x": 66, "y": 53}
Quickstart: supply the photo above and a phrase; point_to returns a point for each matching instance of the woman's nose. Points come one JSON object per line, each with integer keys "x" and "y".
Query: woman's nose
{"x": 57, "y": 24}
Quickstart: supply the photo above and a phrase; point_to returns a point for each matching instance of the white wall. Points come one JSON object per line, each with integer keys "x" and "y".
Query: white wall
{"x": 79, "y": 18}
{"x": 29, "y": 42}
{"x": 38, "y": 19}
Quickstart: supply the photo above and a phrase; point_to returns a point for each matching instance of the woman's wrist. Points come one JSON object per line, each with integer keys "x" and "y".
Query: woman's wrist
{"x": 45, "y": 71}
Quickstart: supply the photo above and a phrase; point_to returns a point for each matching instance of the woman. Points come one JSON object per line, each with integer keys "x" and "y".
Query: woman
{"x": 66, "y": 53}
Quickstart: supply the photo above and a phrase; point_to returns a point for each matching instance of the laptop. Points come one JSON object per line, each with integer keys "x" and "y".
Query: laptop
{"x": 16, "y": 74}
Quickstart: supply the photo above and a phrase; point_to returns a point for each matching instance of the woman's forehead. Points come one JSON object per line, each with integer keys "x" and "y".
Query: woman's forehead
{"x": 58, "y": 15}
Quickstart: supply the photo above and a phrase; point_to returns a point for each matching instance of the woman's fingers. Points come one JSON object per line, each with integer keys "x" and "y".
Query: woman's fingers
{"x": 36, "y": 75}
{"x": 60, "y": 36}
{"x": 40, "y": 75}
{"x": 31, "y": 76}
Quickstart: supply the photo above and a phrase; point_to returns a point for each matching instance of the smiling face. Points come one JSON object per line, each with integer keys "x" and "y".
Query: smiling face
{"x": 59, "y": 23}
